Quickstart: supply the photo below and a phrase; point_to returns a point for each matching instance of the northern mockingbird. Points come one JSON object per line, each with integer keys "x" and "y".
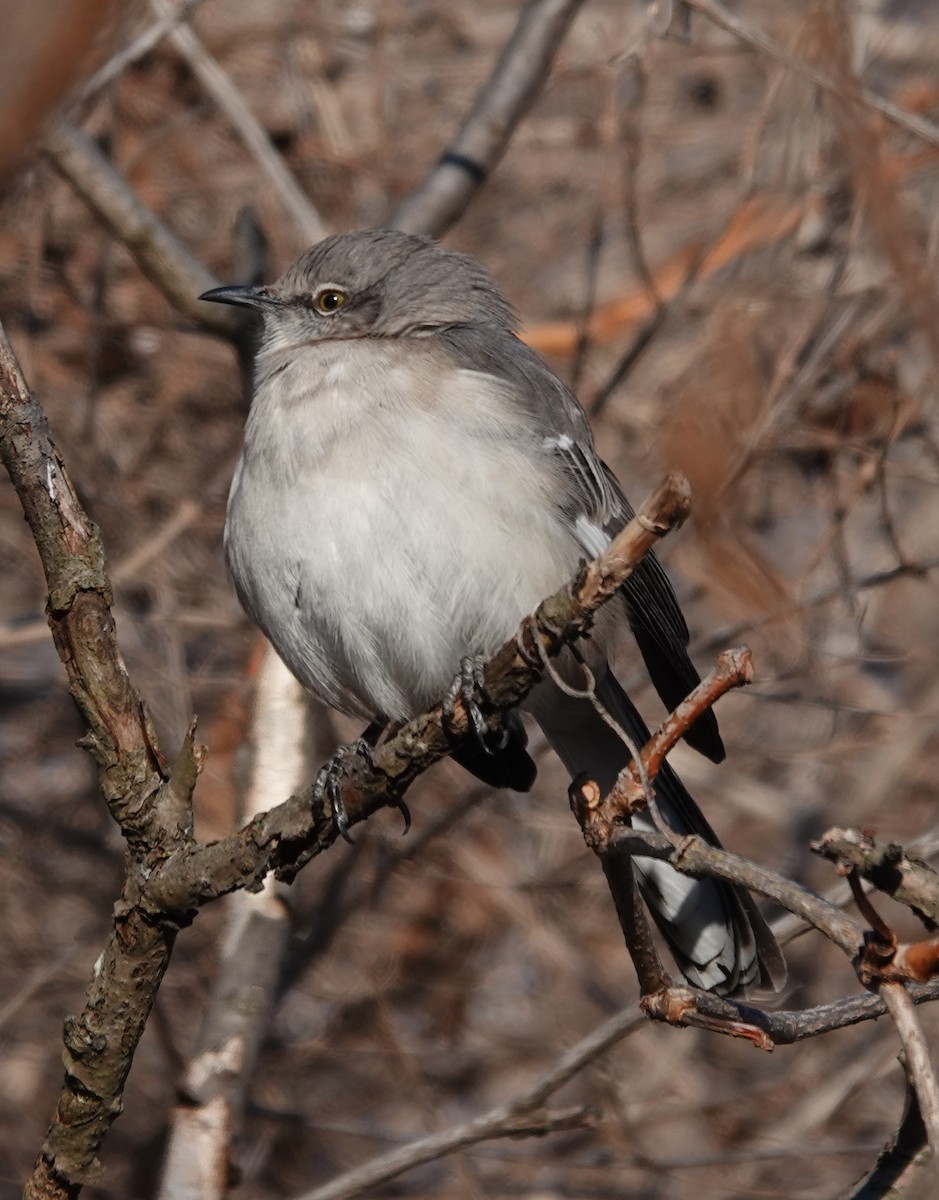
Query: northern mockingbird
{"x": 414, "y": 481}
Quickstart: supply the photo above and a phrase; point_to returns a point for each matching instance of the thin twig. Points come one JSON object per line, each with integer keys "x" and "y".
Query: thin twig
{"x": 502, "y": 102}
{"x": 217, "y": 82}
{"x": 919, "y": 1064}
{"x": 733, "y": 669}
{"x": 523, "y": 1114}
{"x": 910, "y": 122}
{"x": 137, "y": 49}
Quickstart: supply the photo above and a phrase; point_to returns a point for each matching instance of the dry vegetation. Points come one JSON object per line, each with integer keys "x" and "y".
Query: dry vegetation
{"x": 772, "y": 251}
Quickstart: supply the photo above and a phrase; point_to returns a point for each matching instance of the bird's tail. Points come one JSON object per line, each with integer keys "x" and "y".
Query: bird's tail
{"x": 715, "y": 931}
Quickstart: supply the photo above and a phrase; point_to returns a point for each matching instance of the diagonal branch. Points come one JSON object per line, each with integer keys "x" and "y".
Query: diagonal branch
{"x": 218, "y": 83}
{"x": 523, "y": 1114}
{"x": 159, "y": 253}
{"x": 167, "y": 874}
{"x": 919, "y": 1068}
{"x": 502, "y": 102}
{"x": 137, "y": 49}
{"x": 285, "y": 838}
{"x": 133, "y": 771}
{"x": 715, "y": 11}
{"x": 693, "y": 856}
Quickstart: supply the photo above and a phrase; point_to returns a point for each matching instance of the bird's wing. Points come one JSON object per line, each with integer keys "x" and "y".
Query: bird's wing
{"x": 594, "y": 507}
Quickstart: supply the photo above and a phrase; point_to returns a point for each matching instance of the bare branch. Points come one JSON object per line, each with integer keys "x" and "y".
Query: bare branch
{"x": 887, "y": 866}
{"x": 120, "y": 736}
{"x": 220, "y": 1071}
{"x": 271, "y": 165}
{"x": 910, "y": 122}
{"x": 904, "y": 1163}
{"x": 153, "y": 805}
{"x": 137, "y": 49}
{"x": 693, "y": 856}
{"x": 733, "y": 669}
{"x": 285, "y": 838}
{"x": 779, "y": 1027}
{"x": 502, "y": 102}
{"x": 522, "y": 1116}
{"x": 161, "y": 256}
{"x": 919, "y": 1065}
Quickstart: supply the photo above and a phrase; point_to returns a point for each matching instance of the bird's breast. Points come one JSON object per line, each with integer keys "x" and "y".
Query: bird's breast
{"x": 386, "y": 519}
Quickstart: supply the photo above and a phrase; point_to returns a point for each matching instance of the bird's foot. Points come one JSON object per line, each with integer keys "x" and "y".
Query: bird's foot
{"x": 469, "y": 686}
{"x": 327, "y": 786}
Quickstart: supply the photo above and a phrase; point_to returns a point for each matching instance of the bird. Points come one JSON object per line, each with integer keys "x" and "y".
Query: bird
{"x": 413, "y": 481}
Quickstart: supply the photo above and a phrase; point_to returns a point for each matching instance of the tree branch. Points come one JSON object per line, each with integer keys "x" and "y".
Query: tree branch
{"x": 693, "y": 856}
{"x": 285, "y": 838}
{"x": 502, "y": 102}
{"x": 887, "y": 866}
{"x": 918, "y": 1061}
{"x": 167, "y": 875}
{"x": 725, "y": 19}
{"x": 159, "y": 253}
{"x": 218, "y": 84}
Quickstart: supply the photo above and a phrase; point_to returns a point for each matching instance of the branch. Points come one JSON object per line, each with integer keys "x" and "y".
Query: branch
{"x": 723, "y": 17}
{"x": 137, "y": 49}
{"x": 271, "y": 165}
{"x": 887, "y": 866}
{"x": 918, "y": 1061}
{"x": 521, "y": 1116}
{"x": 209, "y": 1117}
{"x": 167, "y": 876}
{"x": 285, "y": 838}
{"x": 780, "y": 1027}
{"x": 904, "y": 1163}
{"x": 151, "y": 804}
{"x": 161, "y": 256}
{"x": 120, "y": 737}
{"x": 599, "y": 816}
{"x": 502, "y": 102}
{"x": 693, "y": 856}
{"x": 733, "y": 669}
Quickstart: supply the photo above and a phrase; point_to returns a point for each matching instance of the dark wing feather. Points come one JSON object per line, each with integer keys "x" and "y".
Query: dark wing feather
{"x": 652, "y": 608}
{"x": 594, "y": 506}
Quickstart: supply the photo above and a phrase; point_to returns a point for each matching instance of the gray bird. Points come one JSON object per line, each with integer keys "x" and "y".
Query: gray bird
{"x": 415, "y": 480}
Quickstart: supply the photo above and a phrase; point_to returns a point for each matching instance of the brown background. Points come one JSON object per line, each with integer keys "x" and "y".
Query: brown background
{"x": 794, "y": 380}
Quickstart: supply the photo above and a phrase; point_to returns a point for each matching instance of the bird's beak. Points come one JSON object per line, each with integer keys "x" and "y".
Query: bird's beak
{"x": 244, "y": 295}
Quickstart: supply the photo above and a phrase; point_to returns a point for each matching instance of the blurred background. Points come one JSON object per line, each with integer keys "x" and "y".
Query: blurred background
{"x": 737, "y": 273}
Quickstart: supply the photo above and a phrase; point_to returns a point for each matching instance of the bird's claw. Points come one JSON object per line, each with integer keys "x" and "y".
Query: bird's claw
{"x": 405, "y": 813}
{"x": 467, "y": 686}
{"x": 327, "y": 782}
{"x": 327, "y": 786}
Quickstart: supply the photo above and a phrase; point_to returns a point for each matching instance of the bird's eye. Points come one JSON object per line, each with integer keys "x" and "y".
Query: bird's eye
{"x": 329, "y": 300}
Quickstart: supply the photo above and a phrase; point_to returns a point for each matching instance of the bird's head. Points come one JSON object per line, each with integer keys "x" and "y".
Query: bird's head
{"x": 379, "y": 283}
